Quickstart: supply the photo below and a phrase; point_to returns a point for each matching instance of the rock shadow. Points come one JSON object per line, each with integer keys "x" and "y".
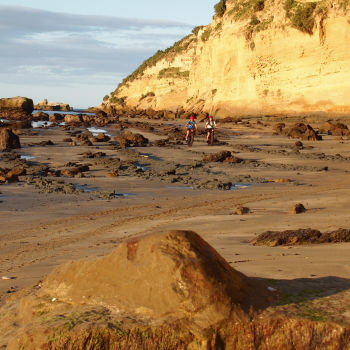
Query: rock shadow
{"x": 307, "y": 289}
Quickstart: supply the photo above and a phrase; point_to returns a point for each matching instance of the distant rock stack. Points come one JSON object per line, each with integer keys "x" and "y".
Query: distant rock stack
{"x": 52, "y": 106}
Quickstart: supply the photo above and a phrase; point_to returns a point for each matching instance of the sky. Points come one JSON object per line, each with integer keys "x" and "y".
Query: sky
{"x": 76, "y": 51}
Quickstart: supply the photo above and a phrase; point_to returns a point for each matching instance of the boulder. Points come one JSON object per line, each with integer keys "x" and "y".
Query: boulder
{"x": 12, "y": 175}
{"x": 222, "y": 156}
{"x": 72, "y": 119}
{"x": 56, "y": 117}
{"x": 8, "y": 140}
{"x": 171, "y": 275}
{"x": 297, "y": 209}
{"x": 113, "y": 173}
{"x": 336, "y": 129}
{"x": 40, "y": 116}
{"x": 129, "y": 139}
{"x": 240, "y": 210}
{"x": 301, "y": 236}
{"x": 278, "y": 128}
{"x": 298, "y": 145}
{"x": 101, "y": 137}
{"x": 73, "y": 171}
{"x": 303, "y": 132}
{"x": 162, "y": 291}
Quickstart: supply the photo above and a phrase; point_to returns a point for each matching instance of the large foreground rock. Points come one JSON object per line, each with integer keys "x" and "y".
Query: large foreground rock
{"x": 163, "y": 291}
{"x": 175, "y": 274}
{"x": 8, "y": 140}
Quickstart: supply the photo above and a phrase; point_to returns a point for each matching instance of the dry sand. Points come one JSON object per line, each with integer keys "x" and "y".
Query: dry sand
{"x": 40, "y": 231}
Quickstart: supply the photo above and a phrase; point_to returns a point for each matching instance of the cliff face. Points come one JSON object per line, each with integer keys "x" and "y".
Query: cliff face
{"x": 259, "y": 57}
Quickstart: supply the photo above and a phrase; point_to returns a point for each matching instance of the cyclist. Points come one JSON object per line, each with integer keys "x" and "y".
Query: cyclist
{"x": 191, "y": 126}
{"x": 210, "y": 125}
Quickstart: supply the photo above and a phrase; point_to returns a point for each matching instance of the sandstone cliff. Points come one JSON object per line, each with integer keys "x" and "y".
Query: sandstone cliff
{"x": 256, "y": 57}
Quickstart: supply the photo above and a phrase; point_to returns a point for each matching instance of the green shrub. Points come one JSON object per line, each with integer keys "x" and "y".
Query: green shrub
{"x": 177, "y": 48}
{"x": 195, "y": 30}
{"x": 245, "y": 9}
{"x": 218, "y": 26}
{"x": 173, "y": 72}
{"x": 220, "y": 8}
{"x": 118, "y": 100}
{"x": 302, "y": 15}
{"x": 106, "y": 98}
{"x": 254, "y": 21}
{"x": 148, "y": 94}
{"x": 206, "y": 34}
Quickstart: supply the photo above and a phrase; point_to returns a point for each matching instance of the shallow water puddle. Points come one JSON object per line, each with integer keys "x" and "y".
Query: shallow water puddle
{"x": 150, "y": 156}
{"x": 85, "y": 188}
{"x": 239, "y": 186}
{"x": 180, "y": 188}
{"x": 95, "y": 131}
{"x": 27, "y": 157}
{"x": 123, "y": 195}
{"x": 40, "y": 124}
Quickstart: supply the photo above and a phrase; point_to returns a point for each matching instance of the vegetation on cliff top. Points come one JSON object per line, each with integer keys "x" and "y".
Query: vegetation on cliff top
{"x": 177, "y": 48}
{"x": 220, "y": 8}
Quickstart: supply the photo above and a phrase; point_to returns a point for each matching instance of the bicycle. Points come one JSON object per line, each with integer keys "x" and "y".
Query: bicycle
{"x": 190, "y": 138}
{"x": 210, "y": 140}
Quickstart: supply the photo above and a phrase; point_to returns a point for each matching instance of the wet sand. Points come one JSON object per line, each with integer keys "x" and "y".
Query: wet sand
{"x": 42, "y": 230}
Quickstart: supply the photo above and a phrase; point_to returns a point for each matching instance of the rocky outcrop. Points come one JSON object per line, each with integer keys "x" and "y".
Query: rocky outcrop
{"x": 301, "y": 236}
{"x": 16, "y": 108}
{"x": 256, "y": 57}
{"x": 129, "y": 139}
{"x": 8, "y": 140}
{"x": 222, "y": 156}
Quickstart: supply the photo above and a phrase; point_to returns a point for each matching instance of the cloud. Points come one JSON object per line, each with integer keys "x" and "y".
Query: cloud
{"x": 49, "y": 48}
{"x": 18, "y": 19}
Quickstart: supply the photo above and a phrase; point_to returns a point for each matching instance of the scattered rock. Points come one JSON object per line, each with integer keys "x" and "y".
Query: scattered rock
{"x": 101, "y": 137}
{"x": 302, "y": 131}
{"x": 56, "y": 117}
{"x": 240, "y": 210}
{"x": 8, "y": 140}
{"x": 45, "y": 143}
{"x": 72, "y": 119}
{"x": 336, "y": 129}
{"x": 40, "y": 116}
{"x": 297, "y": 209}
{"x": 70, "y": 172}
{"x": 222, "y": 156}
{"x": 112, "y": 174}
{"x": 301, "y": 236}
{"x": 298, "y": 145}
{"x": 278, "y": 128}
{"x": 282, "y": 180}
{"x": 129, "y": 139}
